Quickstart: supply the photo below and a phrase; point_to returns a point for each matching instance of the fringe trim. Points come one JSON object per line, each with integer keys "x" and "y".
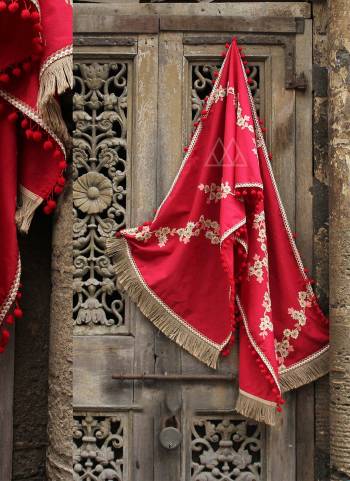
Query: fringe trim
{"x": 154, "y": 310}
{"x": 28, "y": 203}
{"x": 306, "y": 372}
{"x": 254, "y": 408}
{"x": 55, "y": 79}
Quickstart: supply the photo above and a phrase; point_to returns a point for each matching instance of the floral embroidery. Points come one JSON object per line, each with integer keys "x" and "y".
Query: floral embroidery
{"x": 210, "y": 228}
{"x": 243, "y": 120}
{"x": 266, "y": 324}
{"x": 216, "y": 192}
{"x": 220, "y": 93}
{"x": 257, "y": 269}
{"x": 284, "y": 347}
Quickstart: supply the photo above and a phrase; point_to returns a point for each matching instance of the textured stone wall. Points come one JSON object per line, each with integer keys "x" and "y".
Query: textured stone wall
{"x": 31, "y": 355}
{"x": 320, "y": 214}
{"x": 339, "y": 236}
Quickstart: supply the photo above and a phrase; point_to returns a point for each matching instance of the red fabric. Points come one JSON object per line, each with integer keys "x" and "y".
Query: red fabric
{"x": 29, "y": 38}
{"x": 220, "y": 254}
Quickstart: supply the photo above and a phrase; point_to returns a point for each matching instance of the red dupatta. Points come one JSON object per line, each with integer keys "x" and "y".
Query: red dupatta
{"x": 219, "y": 256}
{"x": 35, "y": 67}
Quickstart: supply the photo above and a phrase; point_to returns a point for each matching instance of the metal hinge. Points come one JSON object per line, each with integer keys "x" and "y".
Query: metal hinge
{"x": 298, "y": 83}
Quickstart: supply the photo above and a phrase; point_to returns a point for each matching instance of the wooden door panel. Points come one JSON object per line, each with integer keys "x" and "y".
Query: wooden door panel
{"x": 162, "y": 99}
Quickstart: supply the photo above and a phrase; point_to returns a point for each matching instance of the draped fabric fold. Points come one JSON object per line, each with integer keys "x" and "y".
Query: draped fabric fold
{"x": 35, "y": 68}
{"x": 220, "y": 257}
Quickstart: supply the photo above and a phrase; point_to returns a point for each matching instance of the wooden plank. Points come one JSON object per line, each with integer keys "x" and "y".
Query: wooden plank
{"x": 104, "y": 23}
{"x": 229, "y": 24}
{"x": 6, "y": 409}
{"x": 247, "y": 9}
{"x": 143, "y": 200}
{"x": 305, "y": 416}
{"x": 95, "y": 360}
{"x": 169, "y": 159}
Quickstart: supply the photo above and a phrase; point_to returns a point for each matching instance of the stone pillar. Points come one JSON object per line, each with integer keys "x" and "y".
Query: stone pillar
{"x": 59, "y": 453}
{"x": 339, "y": 236}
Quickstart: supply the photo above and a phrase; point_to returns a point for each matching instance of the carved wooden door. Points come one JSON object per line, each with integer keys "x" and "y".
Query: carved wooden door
{"x": 141, "y": 75}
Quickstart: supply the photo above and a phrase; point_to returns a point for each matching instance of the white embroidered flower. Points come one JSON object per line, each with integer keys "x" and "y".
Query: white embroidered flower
{"x": 144, "y": 234}
{"x": 162, "y": 235}
{"x": 265, "y": 325}
{"x": 216, "y": 192}
{"x": 243, "y": 121}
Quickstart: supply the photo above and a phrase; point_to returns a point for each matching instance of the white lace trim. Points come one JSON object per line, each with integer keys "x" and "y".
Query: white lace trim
{"x": 63, "y": 52}
{"x": 12, "y": 294}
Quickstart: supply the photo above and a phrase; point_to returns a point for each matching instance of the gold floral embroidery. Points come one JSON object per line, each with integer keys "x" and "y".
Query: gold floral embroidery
{"x": 265, "y": 321}
{"x": 216, "y": 192}
{"x": 284, "y": 347}
{"x": 210, "y": 229}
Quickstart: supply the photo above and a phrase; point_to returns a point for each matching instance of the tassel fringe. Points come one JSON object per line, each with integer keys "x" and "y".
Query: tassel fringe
{"x": 157, "y": 312}
{"x": 55, "y": 80}
{"x": 28, "y": 203}
{"x": 256, "y": 409}
{"x": 305, "y": 373}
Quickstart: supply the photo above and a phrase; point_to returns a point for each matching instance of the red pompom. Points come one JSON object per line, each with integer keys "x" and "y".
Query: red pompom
{"x": 29, "y": 134}
{"x": 13, "y": 7}
{"x": 57, "y": 154}
{"x": 18, "y": 312}
{"x": 12, "y": 117}
{"x": 2, "y": 107}
{"x": 51, "y": 204}
{"x": 270, "y": 155}
{"x": 4, "y": 78}
{"x": 25, "y": 14}
{"x": 48, "y": 145}
{"x": 247, "y": 70}
{"x": 5, "y": 337}
{"x": 16, "y": 72}
{"x": 47, "y": 210}
{"x": 279, "y": 409}
{"x": 10, "y": 319}
{"x": 204, "y": 112}
{"x": 58, "y": 189}
{"x": 227, "y": 45}
{"x": 19, "y": 295}
{"x": 185, "y": 149}
{"x": 34, "y": 16}
{"x": 38, "y": 48}
{"x": 37, "y": 136}
{"x": 250, "y": 81}
{"x": 3, "y": 6}
{"x": 37, "y": 27}
{"x": 62, "y": 165}
{"x": 61, "y": 181}
{"x": 26, "y": 66}
{"x": 216, "y": 73}
{"x": 24, "y": 123}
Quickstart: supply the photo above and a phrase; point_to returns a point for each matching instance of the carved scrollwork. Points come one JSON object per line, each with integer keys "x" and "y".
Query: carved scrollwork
{"x": 227, "y": 449}
{"x": 202, "y": 78}
{"x": 99, "y": 449}
{"x": 99, "y": 190}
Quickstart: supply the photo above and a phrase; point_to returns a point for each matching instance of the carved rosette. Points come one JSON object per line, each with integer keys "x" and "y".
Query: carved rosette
{"x": 99, "y": 191}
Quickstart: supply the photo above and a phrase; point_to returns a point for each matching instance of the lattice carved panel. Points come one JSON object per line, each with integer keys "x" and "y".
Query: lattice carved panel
{"x": 100, "y": 190}
{"x": 225, "y": 449}
{"x": 100, "y": 447}
{"x": 202, "y": 76}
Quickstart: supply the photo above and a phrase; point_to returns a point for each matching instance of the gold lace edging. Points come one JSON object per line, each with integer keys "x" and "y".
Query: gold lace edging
{"x": 256, "y": 408}
{"x": 306, "y": 371}
{"x": 162, "y": 317}
{"x": 28, "y": 203}
{"x": 56, "y": 76}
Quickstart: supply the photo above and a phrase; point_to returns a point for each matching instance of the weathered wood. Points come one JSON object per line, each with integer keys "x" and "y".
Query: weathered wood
{"x": 229, "y": 24}
{"x": 169, "y": 159}
{"x": 143, "y": 199}
{"x": 247, "y": 9}
{"x": 6, "y": 409}
{"x": 305, "y": 435}
{"x": 116, "y": 23}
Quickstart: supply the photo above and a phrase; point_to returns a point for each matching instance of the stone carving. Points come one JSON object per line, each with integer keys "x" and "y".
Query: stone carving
{"x": 99, "y": 449}
{"x": 226, "y": 449}
{"x": 100, "y": 190}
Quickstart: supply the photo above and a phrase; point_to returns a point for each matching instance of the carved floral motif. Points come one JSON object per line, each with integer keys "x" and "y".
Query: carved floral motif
{"x": 99, "y": 448}
{"x": 225, "y": 450}
{"x": 100, "y": 189}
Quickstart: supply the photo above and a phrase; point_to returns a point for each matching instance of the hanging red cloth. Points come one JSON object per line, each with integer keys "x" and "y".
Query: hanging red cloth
{"x": 219, "y": 256}
{"x": 35, "y": 67}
